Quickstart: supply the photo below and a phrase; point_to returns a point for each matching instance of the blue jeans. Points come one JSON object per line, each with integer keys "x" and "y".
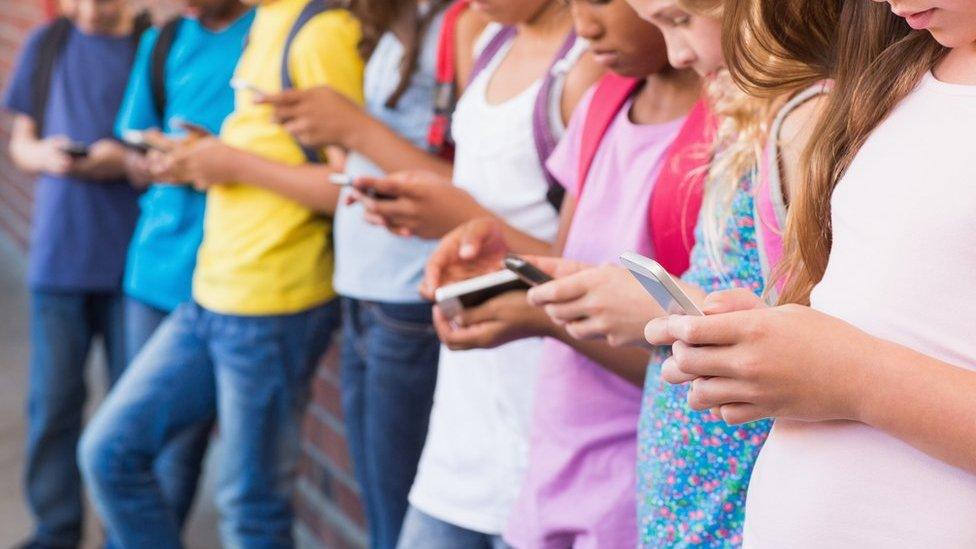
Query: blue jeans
{"x": 179, "y": 466}
{"x": 62, "y": 327}
{"x": 253, "y": 373}
{"x": 389, "y": 370}
{"x": 422, "y": 531}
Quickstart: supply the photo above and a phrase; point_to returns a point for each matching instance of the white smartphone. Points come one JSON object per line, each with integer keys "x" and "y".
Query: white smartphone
{"x": 341, "y": 179}
{"x": 662, "y": 287}
{"x": 454, "y": 298}
{"x": 239, "y": 84}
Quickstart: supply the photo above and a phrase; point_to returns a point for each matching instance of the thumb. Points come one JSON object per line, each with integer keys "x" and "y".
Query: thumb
{"x": 727, "y": 301}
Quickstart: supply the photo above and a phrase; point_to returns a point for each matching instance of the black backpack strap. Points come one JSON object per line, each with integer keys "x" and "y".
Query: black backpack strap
{"x": 312, "y": 9}
{"x": 157, "y": 64}
{"x": 51, "y": 44}
{"x": 140, "y": 24}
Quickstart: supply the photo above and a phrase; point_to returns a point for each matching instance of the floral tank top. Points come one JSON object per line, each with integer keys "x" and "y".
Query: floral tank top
{"x": 692, "y": 468}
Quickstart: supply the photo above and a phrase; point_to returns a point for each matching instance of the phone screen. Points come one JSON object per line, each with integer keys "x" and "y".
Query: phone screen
{"x": 660, "y": 285}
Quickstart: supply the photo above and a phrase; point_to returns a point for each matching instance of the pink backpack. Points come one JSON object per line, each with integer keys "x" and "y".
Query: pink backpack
{"x": 677, "y": 195}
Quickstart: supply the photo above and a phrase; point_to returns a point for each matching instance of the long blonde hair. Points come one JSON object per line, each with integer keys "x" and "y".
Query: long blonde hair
{"x": 876, "y": 60}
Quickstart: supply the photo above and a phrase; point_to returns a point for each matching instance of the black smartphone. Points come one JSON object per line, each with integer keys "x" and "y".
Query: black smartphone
{"x": 76, "y": 150}
{"x": 527, "y": 272}
{"x": 454, "y": 298}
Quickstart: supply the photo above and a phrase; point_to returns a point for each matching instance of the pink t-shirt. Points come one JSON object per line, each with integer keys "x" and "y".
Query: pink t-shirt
{"x": 902, "y": 268}
{"x": 580, "y": 486}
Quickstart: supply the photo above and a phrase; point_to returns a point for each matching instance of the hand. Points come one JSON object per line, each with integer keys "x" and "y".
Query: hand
{"x": 137, "y": 169}
{"x": 317, "y": 117}
{"x": 423, "y": 204}
{"x": 789, "y": 361}
{"x": 475, "y": 248}
{"x": 501, "y": 320}
{"x": 596, "y": 303}
{"x": 203, "y": 161}
{"x": 105, "y": 160}
{"x": 48, "y": 155}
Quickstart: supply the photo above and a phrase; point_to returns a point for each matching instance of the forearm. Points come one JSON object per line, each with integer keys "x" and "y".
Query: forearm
{"x": 306, "y": 184}
{"x": 22, "y": 152}
{"x": 923, "y": 401}
{"x": 391, "y": 152}
{"x": 521, "y": 243}
{"x": 629, "y": 363}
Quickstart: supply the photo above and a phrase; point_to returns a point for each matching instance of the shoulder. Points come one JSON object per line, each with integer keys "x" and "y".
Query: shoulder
{"x": 332, "y": 28}
{"x": 580, "y": 79}
{"x": 799, "y": 123}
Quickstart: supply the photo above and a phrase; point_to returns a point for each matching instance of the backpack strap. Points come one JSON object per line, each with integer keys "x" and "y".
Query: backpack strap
{"x": 51, "y": 43}
{"x": 677, "y": 194}
{"x": 309, "y": 12}
{"x": 439, "y": 140}
{"x": 491, "y": 49}
{"x": 157, "y": 63}
{"x": 546, "y": 138}
{"x": 611, "y": 94}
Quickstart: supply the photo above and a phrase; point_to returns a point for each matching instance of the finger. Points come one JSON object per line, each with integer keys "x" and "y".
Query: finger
{"x": 724, "y": 329}
{"x": 588, "y": 328}
{"x": 383, "y": 186}
{"x": 727, "y": 301}
{"x": 557, "y": 266}
{"x": 706, "y": 393}
{"x": 562, "y": 290}
{"x": 739, "y": 413}
{"x": 704, "y": 361}
{"x": 657, "y": 333}
{"x": 670, "y": 372}
{"x": 564, "y": 313}
{"x": 445, "y": 254}
{"x": 283, "y": 98}
{"x": 477, "y": 336}
{"x": 374, "y": 219}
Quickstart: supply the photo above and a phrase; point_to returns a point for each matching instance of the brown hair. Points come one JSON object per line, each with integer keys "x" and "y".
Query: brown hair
{"x": 379, "y": 17}
{"x": 876, "y": 60}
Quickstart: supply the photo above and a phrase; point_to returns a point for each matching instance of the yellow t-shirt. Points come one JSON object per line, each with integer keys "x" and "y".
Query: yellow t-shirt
{"x": 262, "y": 253}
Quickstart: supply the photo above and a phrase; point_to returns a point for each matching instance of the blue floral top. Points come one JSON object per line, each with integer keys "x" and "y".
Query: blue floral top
{"x": 692, "y": 468}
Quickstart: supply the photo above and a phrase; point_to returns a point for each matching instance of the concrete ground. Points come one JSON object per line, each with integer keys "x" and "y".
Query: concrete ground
{"x": 15, "y": 523}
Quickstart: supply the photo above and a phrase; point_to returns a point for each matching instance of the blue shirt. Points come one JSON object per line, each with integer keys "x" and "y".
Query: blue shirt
{"x": 81, "y": 229}
{"x": 371, "y": 263}
{"x": 163, "y": 252}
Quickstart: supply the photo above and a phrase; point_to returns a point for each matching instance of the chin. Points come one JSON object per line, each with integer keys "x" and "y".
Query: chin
{"x": 952, "y": 39}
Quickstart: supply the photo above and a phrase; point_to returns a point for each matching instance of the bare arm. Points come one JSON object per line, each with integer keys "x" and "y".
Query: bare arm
{"x": 307, "y": 184}
{"x": 390, "y": 151}
{"x": 33, "y": 155}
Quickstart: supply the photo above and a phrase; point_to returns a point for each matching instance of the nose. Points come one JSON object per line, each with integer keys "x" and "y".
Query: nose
{"x": 586, "y": 26}
{"x": 681, "y": 57}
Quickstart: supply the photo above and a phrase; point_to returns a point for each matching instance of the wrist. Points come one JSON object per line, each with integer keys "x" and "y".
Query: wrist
{"x": 355, "y": 136}
{"x": 866, "y": 390}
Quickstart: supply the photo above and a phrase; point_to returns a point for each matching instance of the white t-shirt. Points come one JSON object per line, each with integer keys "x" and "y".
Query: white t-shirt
{"x": 902, "y": 268}
{"x": 477, "y": 445}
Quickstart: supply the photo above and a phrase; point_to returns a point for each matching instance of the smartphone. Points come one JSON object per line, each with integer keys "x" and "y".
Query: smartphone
{"x": 136, "y": 140}
{"x": 454, "y": 298}
{"x": 529, "y": 273}
{"x": 239, "y": 84}
{"x": 662, "y": 287}
{"x": 76, "y": 150}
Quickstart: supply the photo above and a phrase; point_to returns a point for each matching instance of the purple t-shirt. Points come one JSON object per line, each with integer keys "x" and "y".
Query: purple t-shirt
{"x": 580, "y": 486}
{"x": 81, "y": 229}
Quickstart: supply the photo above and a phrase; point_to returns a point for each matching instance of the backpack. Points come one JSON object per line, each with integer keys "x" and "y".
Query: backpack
{"x": 157, "y": 63}
{"x": 439, "y": 140}
{"x": 677, "y": 194}
{"x": 52, "y": 42}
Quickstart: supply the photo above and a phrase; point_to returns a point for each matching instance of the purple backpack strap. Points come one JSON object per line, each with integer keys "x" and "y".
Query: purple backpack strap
{"x": 490, "y": 50}
{"x": 545, "y": 138}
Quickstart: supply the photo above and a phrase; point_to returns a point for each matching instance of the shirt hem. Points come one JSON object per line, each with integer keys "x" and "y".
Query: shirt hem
{"x": 447, "y": 513}
{"x": 283, "y": 306}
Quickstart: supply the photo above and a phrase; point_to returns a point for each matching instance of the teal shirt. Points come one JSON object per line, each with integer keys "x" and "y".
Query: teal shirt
{"x": 163, "y": 251}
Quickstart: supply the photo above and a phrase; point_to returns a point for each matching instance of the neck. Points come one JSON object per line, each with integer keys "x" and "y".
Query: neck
{"x": 959, "y": 66}
{"x": 665, "y": 96}
{"x": 552, "y": 18}
{"x": 222, "y": 15}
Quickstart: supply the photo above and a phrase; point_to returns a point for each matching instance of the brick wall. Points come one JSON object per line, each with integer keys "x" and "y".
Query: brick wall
{"x": 328, "y": 507}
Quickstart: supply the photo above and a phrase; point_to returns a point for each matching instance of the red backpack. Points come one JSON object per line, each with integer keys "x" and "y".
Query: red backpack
{"x": 677, "y": 194}
{"x": 439, "y": 135}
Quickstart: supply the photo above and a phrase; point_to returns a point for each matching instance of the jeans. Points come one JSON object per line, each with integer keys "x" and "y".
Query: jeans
{"x": 422, "y": 531}
{"x": 179, "y": 466}
{"x": 253, "y": 373}
{"x": 62, "y": 327}
{"x": 389, "y": 370}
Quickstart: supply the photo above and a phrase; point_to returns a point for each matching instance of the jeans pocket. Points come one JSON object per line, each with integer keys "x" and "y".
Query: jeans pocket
{"x": 411, "y": 320}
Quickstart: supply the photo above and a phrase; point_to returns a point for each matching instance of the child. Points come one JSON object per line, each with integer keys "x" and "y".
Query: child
{"x": 872, "y": 394}
{"x": 196, "y": 56}
{"x": 389, "y": 358}
{"x": 65, "y": 92}
{"x": 263, "y": 308}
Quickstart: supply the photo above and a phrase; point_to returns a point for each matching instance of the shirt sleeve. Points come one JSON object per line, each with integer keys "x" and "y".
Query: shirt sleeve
{"x": 326, "y": 53}
{"x": 564, "y": 161}
{"x": 18, "y": 97}
{"x": 138, "y": 110}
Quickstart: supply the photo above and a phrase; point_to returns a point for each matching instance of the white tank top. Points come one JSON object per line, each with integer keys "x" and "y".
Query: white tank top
{"x": 477, "y": 445}
{"x": 902, "y": 268}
